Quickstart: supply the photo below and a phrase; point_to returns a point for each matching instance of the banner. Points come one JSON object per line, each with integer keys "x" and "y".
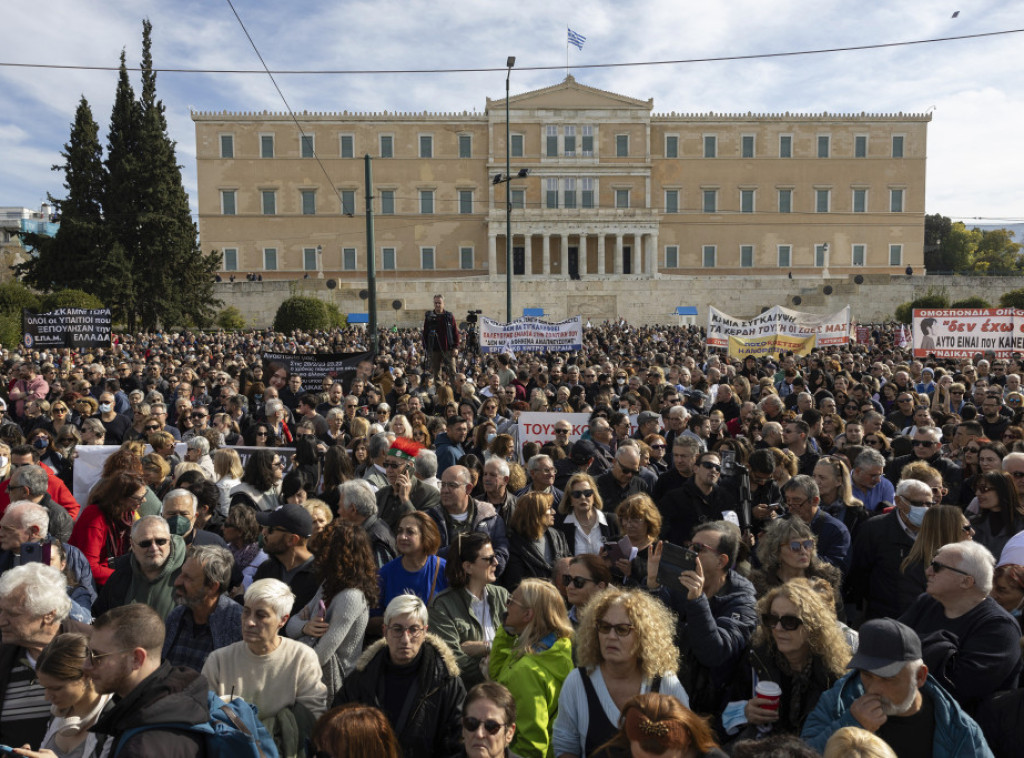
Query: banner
{"x": 530, "y": 335}
{"x": 66, "y": 327}
{"x": 828, "y": 329}
{"x": 773, "y": 344}
{"x": 964, "y": 332}
{"x": 863, "y": 334}
{"x": 313, "y": 367}
{"x": 539, "y": 427}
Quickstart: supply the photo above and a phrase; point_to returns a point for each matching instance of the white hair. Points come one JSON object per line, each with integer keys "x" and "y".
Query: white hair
{"x": 199, "y": 443}
{"x": 976, "y": 560}
{"x": 499, "y": 464}
{"x": 29, "y": 514}
{"x": 274, "y": 593}
{"x": 181, "y": 493}
{"x": 913, "y": 486}
{"x": 44, "y": 588}
{"x": 406, "y": 605}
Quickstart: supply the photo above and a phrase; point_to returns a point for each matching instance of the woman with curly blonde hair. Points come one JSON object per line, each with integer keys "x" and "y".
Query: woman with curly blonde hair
{"x": 788, "y": 550}
{"x": 799, "y": 645}
{"x": 625, "y": 646}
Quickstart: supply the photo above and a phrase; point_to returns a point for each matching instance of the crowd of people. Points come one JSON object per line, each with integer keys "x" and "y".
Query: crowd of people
{"x": 784, "y": 555}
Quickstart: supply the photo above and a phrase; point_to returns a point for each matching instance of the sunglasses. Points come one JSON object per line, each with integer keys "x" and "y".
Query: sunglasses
{"x": 579, "y": 582}
{"x": 580, "y": 494}
{"x": 789, "y": 623}
{"x": 159, "y": 541}
{"x": 710, "y": 466}
{"x": 491, "y": 726}
{"x": 152, "y": 428}
{"x": 797, "y": 545}
{"x": 968, "y": 529}
{"x": 923, "y": 443}
{"x": 630, "y": 471}
{"x": 937, "y": 567}
{"x": 974, "y": 450}
{"x": 621, "y": 630}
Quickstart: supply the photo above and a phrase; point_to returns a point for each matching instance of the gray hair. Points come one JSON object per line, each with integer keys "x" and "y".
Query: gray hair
{"x": 199, "y": 443}
{"x": 175, "y": 494}
{"x": 425, "y": 464}
{"x": 379, "y": 444}
{"x": 352, "y": 399}
{"x": 911, "y": 487}
{"x": 976, "y": 560}
{"x": 1011, "y": 457}
{"x": 44, "y": 588}
{"x": 274, "y": 406}
{"x": 34, "y": 478}
{"x": 537, "y": 461}
{"x": 869, "y": 458}
{"x": 272, "y": 592}
{"x": 687, "y": 441}
{"x": 406, "y": 604}
{"x": 358, "y": 495}
{"x": 771, "y": 426}
{"x": 335, "y": 413}
{"x": 217, "y": 563}
{"x": 625, "y": 451}
{"x": 803, "y": 484}
{"x": 932, "y": 431}
{"x": 29, "y": 514}
{"x": 152, "y": 519}
{"x": 499, "y": 464}
{"x": 93, "y": 425}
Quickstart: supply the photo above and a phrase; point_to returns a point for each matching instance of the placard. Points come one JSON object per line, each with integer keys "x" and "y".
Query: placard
{"x": 66, "y": 327}
{"x": 531, "y": 335}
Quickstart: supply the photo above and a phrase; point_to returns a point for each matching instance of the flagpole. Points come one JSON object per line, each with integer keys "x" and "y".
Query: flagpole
{"x": 567, "y": 51}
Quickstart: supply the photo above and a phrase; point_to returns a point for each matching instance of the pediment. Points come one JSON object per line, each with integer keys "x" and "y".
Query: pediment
{"x": 571, "y": 95}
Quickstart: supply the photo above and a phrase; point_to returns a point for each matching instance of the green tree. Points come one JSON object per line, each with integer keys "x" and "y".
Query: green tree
{"x": 971, "y": 302}
{"x": 1012, "y": 299}
{"x": 14, "y": 296}
{"x": 70, "y": 299}
{"x": 997, "y": 253}
{"x": 931, "y": 299}
{"x": 10, "y": 331}
{"x": 303, "y": 314}
{"x": 936, "y": 231}
{"x": 230, "y": 319}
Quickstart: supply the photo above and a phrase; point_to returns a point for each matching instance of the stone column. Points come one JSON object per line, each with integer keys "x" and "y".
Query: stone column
{"x": 618, "y": 254}
{"x": 527, "y": 255}
{"x": 652, "y": 263}
{"x": 565, "y": 256}
{"x": 601, "y": 269}
{"x": 492, "y": 256}
{"x": 545, "y": 252}
{"x": 638, "y": 241}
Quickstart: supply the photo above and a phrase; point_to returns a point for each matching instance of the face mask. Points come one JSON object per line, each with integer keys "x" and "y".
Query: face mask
{"x": 106, "y": 407}
{"x": 491, "y": 436}
{"x": 179, "y": 525}
{"x": 41, "y": 444}
{"x": 916, "y": 515}
{"x": 620, "y": 381}
{"x": 4, "y": 460}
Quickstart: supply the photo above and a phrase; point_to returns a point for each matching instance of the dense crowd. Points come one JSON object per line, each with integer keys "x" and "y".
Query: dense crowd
{"x": 787, "y": 555}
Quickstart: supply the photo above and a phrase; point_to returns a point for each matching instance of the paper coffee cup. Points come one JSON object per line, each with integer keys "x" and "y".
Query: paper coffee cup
{"x": 769, "y": 691}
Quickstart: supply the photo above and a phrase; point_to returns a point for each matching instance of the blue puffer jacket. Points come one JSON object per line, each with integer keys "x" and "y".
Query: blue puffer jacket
{"x": 957, "y": 735}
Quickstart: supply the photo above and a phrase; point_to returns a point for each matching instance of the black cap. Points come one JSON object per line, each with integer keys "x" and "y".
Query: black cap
{"x": 885, "y": 647}
{"x": 582, "y": 451}
{"x": 290, "y": 517}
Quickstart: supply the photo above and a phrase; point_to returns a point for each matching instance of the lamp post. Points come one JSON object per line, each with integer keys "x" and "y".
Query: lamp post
{"x": 508, "y": 197}
{"x": 319, "y": 261}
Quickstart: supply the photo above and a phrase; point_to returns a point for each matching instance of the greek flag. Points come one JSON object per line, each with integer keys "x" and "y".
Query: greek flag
{"x": 576, "y": 39}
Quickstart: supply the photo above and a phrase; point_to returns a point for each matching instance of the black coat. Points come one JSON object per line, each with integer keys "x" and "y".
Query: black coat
{"x": 875, "y": 580}
{"x": 610, "y": 532}
{"x": 525, "y": 561}
{"x": 431, "y": 723}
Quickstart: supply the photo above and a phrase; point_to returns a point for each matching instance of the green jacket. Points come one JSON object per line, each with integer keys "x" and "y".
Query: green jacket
{"x": 452, "y": 619}
{"x": 535, "y": 682}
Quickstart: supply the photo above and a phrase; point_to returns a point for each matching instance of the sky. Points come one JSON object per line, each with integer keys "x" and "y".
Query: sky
{"x": 972, "y": 86}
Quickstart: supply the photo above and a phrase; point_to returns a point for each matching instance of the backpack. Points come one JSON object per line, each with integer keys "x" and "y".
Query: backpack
{"x": 232, "y": 731}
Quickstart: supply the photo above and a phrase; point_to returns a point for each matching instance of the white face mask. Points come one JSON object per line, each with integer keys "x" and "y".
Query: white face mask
{"x": 4, "y": 460}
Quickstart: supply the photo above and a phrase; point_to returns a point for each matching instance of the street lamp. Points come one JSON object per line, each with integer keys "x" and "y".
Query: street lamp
{"x": 319, "y": 261}
{"x": 508, "y": 198}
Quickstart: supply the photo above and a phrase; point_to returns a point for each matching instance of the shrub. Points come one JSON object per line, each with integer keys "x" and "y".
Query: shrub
{"x": 931, "y": 299}
{"x": 10, "y": 330}
{"x": 231, "y": 319}
{"x": 14, "y": 296}
{"x": 70, "y": 299}
{"x": 1012, "y": 299}
{"x": 302, "y": 313}
{"x": 971, "y": 302}
{"x": 338, "y": 319}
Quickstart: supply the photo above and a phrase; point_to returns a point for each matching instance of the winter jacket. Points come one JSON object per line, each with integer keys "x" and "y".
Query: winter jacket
{"x": 448, "y": 452}
{"x": 101, "y": 540}
{"x": 168, "y": 695}
{"x": 452, "y": 619}
{"x": 535, "y": 681}
{"x": 129, "y": 585}
{"x": 525, "y": 561}
{"x": 225, "y": 625}
{"x": 485, "y": 519}
{"x": 956, "y": 734}
{"x": 875, "y": 580}
{"x": 249, "y": 495}
{"x": 55, "y": 488}
{"x": 390, "y": 509}
{"x": 431, "y": 721}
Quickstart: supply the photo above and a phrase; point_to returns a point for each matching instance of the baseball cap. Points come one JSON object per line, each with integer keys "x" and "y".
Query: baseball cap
{"x": 582, "y": 451}
{"x": 290, "y": 517}
{"x": 885, "y": 647}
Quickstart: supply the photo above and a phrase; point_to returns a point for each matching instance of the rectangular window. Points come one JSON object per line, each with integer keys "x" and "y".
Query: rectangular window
{"x": 465, "y": 201}
{"x": 348, "y": 202}
{"x": 587, "y": 142}
{"x": 348, "y": 146}
{"x": 785, "y": 256}
{"x": 270, "y": 259}
{"x": 570, "y": 193}
{"x": 785, "y": 146}
{"x": 551, "y": 193}
{"x": 427, "y": 258}
{"x": 227, "y": 202}
{"x": 622, "y": 198}
{"x": 426, "y": 146}
{"x": 518, "y": 199}
{"x": 621, "y": 145}
{"x": 587, "y": 192}
{"x": 710, "y": 146}
{"x": 709, "y": 256}
{"x": 231, "y": 259}
{"x": 785, "y": 201}
{"x": 746, "y": 201}
{"x": 859, "y": 255}
{"x": 516, "y": 143}
{"x": 348, "y": 258}
{"x": 897, "y": 146}
{"x": 672, "y": 147}
{"x": 824, "y": 145}
{"x": 747, "y": 256}
{"x": 819, "y": 256}
{"x": 426, "y": 201}
{"x": 671, "y": 201}
{"x": 860, "y": 146}
{"x": 466, "y": 258}
{"x": 306, "y": 146}
{"x": 569, "y": 140}
{"x": 387, "y": 202}
{"x": 711, "y": 201}
{"x": 748, "y": 145}
{"x": 551, "y": 141}
{"x": 266, "y": 146}
{"x": 895, "y": 255}
{"x": 860, "y": 201}
{"x": 821, "y": 198}
{"x": 269, "y": 202}
{"x": 896, "y": 201}
{"x": 309, "y": 259}
{"x": 308, "y": 202}
{"x": 671, "y": 256}
{"x": 227, "y": 146}
{"x": 387, "y": 258}
{"x": 387, "y": 146}
{"x": 465, "y": 146}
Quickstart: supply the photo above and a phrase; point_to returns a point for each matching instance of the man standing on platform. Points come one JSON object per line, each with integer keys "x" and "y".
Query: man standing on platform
{"x": 441, "y": 339}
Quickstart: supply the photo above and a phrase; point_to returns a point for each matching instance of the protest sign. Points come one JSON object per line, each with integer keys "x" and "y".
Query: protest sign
{"x": 67, "y": 327}
{"x": 773, "y": 344}
{"x": 828, "y": 329}
{"x": 529, "y": 334}
{"x": 313, "y": 367}
{"x": 963, "y": 332}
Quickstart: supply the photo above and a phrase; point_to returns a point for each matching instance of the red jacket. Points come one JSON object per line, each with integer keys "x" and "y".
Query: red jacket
{"x": 56, "y": 489}
{"x": 100, "y": 540}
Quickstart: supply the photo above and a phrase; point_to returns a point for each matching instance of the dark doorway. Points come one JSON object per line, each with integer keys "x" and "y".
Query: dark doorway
{"x": 574, "y": 263}
{"x": 518, "y": 261}
{"x": 627, "y": 259}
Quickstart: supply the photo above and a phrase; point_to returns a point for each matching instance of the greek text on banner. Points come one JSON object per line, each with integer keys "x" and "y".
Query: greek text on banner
{"x": 530, "y": 335}
{"x": 964, "y": 332}
{"x": 829, "y": 329}
{"x": 773, "y": 344}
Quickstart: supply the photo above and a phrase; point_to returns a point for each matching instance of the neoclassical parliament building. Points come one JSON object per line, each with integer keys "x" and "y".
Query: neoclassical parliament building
{"x": 612, "y": 189}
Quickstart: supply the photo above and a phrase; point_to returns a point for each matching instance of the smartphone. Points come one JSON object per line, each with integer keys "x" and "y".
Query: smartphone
{"x": 728, "y": 462}
{"x": 674, "y": 561}
{"x": 322, "y": 610}
{"x": 7, "y": 750}
{"x": 36, "y": 552}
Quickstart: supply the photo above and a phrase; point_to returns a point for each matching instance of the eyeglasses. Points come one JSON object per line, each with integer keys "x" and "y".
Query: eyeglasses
{"x": 92, "y": 656}
{"x": 158, "y": 541}
{"x": 799, "y": 504}
{"x": 491, "y": 726}
{"x": 922, "y": 443}
{"x": 579, "y": 582}
{"x": 278, "y": 464}
{"x": 393, "y": 464}
{"x": 937, "y": 567}
{"x": 700, "y": 547}
{"x": 974, "y": 450}
{"x": 491, "y": 559}
{"x": 789, "y": 623}
{"x": 399, "y": 631}
{"x": 137, "y": 499}
{"x": 797, "y": 545}
{"x": 580, "y": 494}
{"x": 621, "y": 630}
{"x": 710, "y": 466}
{"x": 968, "y": 529}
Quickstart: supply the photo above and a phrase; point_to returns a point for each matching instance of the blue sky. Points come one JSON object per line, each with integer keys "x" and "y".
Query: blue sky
{"x": 974, "y": 157}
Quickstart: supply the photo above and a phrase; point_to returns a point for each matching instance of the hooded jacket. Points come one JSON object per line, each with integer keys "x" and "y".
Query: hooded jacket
{"x": 168, "y": 695}
{"x": 431, "y": 721}
{"x": 129, "y": 585}
{"x": 485, "y": 519}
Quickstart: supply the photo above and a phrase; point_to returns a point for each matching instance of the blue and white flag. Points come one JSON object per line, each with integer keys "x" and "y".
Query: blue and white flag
{"x": 576, "y": 39}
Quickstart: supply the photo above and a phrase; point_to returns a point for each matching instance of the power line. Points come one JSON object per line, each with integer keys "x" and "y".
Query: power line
{"x": 624, "y": 64}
